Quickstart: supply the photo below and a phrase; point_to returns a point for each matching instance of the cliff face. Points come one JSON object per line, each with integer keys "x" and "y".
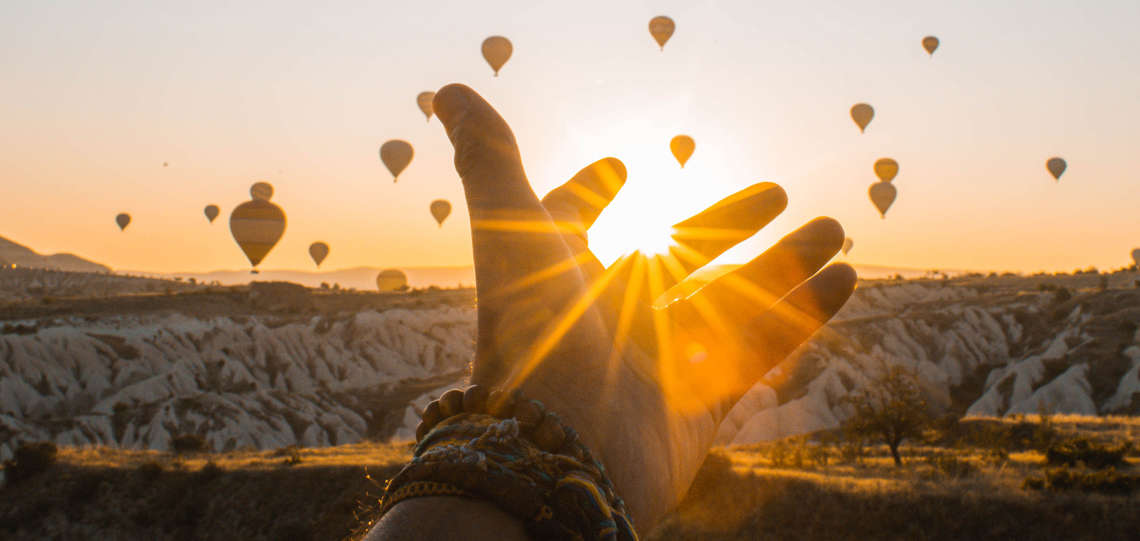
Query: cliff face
{"x": 977, "y": 349}
{"x": 247, "y": 381}
{"x": 266, "y": 379}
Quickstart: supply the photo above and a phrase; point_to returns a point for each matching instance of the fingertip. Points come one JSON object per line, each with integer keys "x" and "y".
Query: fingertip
{"x": 617, "y": 167}
{"x": 830, "y": 232}
{"x": 451, "y": 102}
{"x": 840, "y": 277}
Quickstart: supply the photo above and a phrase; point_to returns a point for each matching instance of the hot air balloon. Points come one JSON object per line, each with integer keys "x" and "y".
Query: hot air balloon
{"x": 211, "y": 212}
{"x": 164, "y": 164}
{"x": 391, "y": 280}
{"x": 261, "y": 190}
{"x": 847, "y": 245}
{"x": 440, "y": 209}
{"x": 423, "y": 99}
{"x": 257, "y": 225}
{"x": 496, "y": 51}
{"x": 930, "y": 43}
{"x": 396, "y": 155}
{"x": 123, "y": 219}
{"x": 682, "y": 147}
{"x": 1056, "y": 167}
{"x": 661, "y": 27}
{"x": 1136, "y": 257}
{"x": 318, "y": 251}
{"x": 862, "y": 114}
{"x": 886, "y": 169}
{"x": 882, "y": 195}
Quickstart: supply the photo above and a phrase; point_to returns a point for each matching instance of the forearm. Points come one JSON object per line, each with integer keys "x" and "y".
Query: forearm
{"x": 447, "y": 518}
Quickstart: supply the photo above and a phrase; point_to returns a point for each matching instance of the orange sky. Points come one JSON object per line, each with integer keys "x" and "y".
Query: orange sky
{"x": 96, "y": 99}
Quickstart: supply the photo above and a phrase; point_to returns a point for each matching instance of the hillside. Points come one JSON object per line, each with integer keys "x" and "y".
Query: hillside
{"x": 278, "y": 364}
{"x": 22, "y": 256}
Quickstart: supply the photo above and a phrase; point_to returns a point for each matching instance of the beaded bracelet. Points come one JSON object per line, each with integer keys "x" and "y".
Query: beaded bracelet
{"x": 501, "y": 447}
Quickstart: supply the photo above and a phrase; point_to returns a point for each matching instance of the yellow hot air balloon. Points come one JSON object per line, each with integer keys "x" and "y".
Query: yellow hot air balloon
{"x": 423, "y": 99}
{"x": 886, "y": 169}
{"x": 396, "y": 155}
{"x": 123, "y": 219}
{"x": 661, "y": 27}
{"x": 257, "y": 225}
{"x": 496, "y": 51}
{"x": 391, "y": 280}
{"x": 1056, "y": 167}
{"x": 211, "y": 212}
{"x": 261, "y": 190}
{"x": 440, "y": 209}
{"x": 848, "y": 244}
{"x": 318, "y": 251}
{"x": 930, "y": 43}
{"x": 862, "y": 114}
{"x": 682, "y": 147}
{"x": 1136, "y": 257}
{"x": 882, "y": 195}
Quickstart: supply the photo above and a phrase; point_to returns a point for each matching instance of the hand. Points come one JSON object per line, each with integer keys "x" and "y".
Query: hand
{"x": 645, "y": 386}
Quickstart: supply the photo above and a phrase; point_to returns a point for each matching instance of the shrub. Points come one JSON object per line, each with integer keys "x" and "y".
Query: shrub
{"x": 209, "y": 472}
{"x": 951, "y": 466}
{"x": 30, "y": 459}
{"x": 1107, "y": 481}
{"x": 1085, "y": 451}
{"x": 189, "y": 443}
{"x": 150, "y": 470}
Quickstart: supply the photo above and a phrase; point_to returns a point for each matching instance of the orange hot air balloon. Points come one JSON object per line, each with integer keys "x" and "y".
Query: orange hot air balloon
{"x": 318, "y": 251}
{"x": 886, "y": 169}
{"x": 1056, "y": 167}
{"x": 848, "y": 244}
{"x": 862, "y": 114}
{"x": 211, "y": 212}
{"x": 930, "y": 43}
{"x": 391, "y": 280}
{"x": 682, "y": 147}
{"x": 661, "y": 27}
{"x": 882, "y": 195}
{"x": 440, "y": 210}
{"x": 496, "y": 51}
{"x": 423, "y": 100}
{"x": 261, "y": 190}
{"x": 123, "y": 219}
{"x": 396, "y": 155}
{"x": 256, "y": 226}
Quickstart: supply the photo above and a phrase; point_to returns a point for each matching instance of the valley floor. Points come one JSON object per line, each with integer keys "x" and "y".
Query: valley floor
{"x": 964, "y": 482}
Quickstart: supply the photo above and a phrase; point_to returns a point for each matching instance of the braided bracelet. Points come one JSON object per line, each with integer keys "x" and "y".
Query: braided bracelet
{"x": 499, "y": 446}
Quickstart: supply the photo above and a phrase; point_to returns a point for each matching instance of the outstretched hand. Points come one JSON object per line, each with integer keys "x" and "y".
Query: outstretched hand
{"x": 645, "y": 383}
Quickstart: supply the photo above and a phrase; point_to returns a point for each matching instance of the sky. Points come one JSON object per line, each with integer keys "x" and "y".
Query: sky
{"x": 97, "y": 95}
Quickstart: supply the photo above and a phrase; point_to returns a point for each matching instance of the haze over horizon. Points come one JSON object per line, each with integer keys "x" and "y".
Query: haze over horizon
{"x": 96, "y": 100}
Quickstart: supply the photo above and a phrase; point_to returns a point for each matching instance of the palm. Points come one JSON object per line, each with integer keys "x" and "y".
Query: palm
{"x": 645, "y": 383}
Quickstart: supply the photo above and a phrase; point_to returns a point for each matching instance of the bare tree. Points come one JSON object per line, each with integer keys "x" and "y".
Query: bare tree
{"x": 890, "y": 408}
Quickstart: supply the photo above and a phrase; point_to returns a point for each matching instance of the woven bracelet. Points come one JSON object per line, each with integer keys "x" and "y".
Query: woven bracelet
{"x": 500, "y": 447}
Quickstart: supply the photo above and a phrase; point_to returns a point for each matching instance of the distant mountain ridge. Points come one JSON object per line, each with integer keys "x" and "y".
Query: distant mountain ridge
{"x": 12, "y": 253}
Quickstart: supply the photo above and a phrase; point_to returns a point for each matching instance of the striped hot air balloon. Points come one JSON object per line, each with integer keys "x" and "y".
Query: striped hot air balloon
{"x": 257, "y": 225}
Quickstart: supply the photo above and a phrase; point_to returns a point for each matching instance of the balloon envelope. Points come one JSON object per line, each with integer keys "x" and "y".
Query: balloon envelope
{"x": 930, "y": 43}
{"x": 211, "y": 212}
{"x": 661, "y": 27}
{"x": 123, "y": 220}
{"x": 1056, "y": 167}
{"x": 862, "y": 114}
{"x": 882, "y": 195}
{"x": 440, "y": 209}
{"x": 261, "y": 190}
{"x": 423, "y": 99}
{"x": 886, "y": 169}
{"x": 847, "y": 245}
{"x": 391, "y": 280}
{"x": 318, "y": 251}
{"x": 257, "y": 225}
{"x": 496, "y": 51}
{"x": 682, "y": 147}
{"x": 396, "y": 155}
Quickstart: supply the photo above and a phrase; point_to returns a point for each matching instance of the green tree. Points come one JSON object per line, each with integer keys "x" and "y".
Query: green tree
{"x": 891, "y": 408}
